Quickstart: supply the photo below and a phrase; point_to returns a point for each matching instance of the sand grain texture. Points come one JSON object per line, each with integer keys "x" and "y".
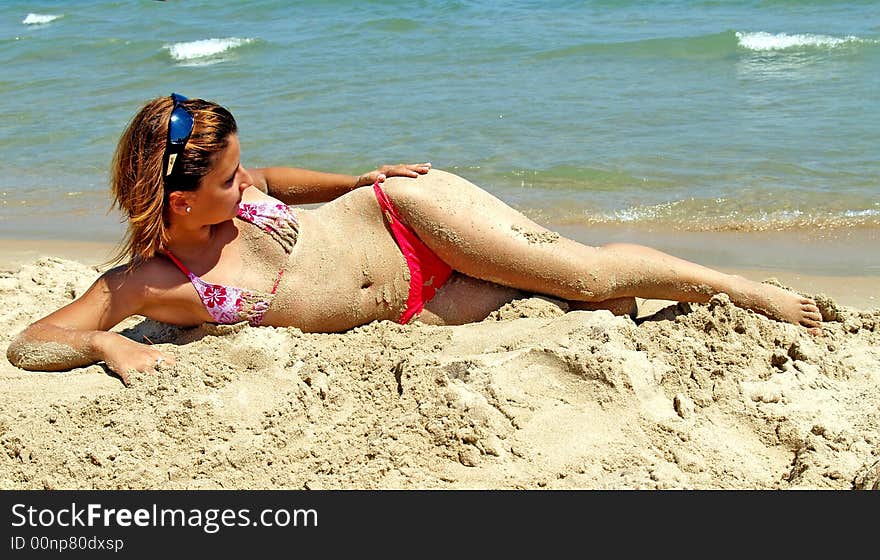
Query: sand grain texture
{"x": 695, "y": 396}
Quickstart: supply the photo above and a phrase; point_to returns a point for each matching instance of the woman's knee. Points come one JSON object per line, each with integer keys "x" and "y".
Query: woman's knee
{"x": 598, "y": 279}
{"x": 595, "y": 289}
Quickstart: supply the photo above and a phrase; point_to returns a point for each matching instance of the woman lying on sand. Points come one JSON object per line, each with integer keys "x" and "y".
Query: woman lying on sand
{"x": 400, "y": 243}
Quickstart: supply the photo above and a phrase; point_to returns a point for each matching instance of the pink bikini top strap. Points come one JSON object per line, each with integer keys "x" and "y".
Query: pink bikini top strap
{"x": 179, "y": 264}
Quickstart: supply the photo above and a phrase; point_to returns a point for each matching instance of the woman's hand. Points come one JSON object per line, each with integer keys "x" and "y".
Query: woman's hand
{"x": 123, "y": 355}
{"x": 400, "y": 170}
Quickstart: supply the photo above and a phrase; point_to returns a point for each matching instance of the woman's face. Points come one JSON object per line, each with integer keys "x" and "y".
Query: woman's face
{"x": 219, "y": 193}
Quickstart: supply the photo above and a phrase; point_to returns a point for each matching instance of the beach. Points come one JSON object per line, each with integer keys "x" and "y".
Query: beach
{"x": 689, "y": 396}
{"x": 738, "y": 135}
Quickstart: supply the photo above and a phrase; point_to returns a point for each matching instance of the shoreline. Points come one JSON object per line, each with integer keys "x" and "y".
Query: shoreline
{"x": 815, "y": 251}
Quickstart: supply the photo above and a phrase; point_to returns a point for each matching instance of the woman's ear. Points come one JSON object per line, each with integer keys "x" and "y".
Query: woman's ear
{"x": 178, "y": 202}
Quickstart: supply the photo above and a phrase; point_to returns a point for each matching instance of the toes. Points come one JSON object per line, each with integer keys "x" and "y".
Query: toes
{"x": 811, "y": 311}
{"x": 809, "y": 306}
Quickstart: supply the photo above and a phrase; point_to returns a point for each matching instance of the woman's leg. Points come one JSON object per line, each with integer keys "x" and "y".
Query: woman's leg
{"x": 464, "y": 299}
{"x": 617, "y": 306}
{"x": 479, "y": 235}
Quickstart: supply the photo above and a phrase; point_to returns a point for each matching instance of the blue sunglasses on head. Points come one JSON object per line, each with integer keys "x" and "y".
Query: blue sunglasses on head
{"x": 180, "y": 127}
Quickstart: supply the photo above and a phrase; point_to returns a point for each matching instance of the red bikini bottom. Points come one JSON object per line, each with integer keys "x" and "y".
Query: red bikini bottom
{"x": 427, "y": 272}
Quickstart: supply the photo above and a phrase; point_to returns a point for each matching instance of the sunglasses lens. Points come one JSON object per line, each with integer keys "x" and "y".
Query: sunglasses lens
{"x": 180, "y": 126}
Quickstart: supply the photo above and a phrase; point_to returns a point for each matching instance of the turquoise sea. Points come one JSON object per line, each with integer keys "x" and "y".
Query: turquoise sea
{"x": 672, "y": 116}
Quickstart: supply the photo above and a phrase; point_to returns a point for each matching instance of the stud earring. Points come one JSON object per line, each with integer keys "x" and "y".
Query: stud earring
{"x": 188, "y": 209}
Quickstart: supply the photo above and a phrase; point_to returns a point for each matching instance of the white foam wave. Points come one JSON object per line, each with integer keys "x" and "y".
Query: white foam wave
{"x": 718, "y": 218}
{"x": 642, "y": 213}
{"x": 205, "y": 48}
{"x": 38, "y": 19}
{"x": 861, "y": 213}
{"x": 763, "y": 41}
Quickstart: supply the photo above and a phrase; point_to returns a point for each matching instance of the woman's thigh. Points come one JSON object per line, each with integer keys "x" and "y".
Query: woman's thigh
{"x": 463, "y": 299}
{"x": 481, "y": 236}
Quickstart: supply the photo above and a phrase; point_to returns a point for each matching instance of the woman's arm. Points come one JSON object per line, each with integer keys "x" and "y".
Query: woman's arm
{"x": 78, "y": 334}
{"x": 292, "y": 185}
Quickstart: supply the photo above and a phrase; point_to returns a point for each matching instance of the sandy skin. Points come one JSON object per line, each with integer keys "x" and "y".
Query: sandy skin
{"x": 501, "y": 250}
{"x": 333, "y": 284}
{"x": 346, "y": 270}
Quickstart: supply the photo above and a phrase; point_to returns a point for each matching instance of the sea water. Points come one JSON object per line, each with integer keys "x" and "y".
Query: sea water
{"x": 677, "y": 116}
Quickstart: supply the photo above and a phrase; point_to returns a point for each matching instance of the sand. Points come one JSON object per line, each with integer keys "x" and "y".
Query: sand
{"x": 687, "y": 396}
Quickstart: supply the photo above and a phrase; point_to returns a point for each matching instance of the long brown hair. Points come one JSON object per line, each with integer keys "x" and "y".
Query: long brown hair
{"x": 137, "y": 182}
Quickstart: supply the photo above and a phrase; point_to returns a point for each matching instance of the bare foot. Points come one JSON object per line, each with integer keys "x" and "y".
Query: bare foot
{"x": 617, "y": 306}
{"x": 777, "y": 303}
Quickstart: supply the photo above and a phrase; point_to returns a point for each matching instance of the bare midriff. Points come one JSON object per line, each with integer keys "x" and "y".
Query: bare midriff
{"x": 345, "y": 269}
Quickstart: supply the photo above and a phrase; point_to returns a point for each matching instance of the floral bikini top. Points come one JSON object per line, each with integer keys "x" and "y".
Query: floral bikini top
{"x": 230, "y": 304}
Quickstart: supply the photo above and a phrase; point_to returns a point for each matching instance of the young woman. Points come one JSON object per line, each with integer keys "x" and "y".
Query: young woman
{"x": 209, "y": 240}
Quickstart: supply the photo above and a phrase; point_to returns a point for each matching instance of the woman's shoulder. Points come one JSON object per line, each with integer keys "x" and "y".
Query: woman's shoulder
{"x": 254, "y": 194}
{"x": 151, "y": 287}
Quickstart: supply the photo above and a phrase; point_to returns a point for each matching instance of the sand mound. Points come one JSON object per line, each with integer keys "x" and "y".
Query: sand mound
{"x": 695, "y": 396}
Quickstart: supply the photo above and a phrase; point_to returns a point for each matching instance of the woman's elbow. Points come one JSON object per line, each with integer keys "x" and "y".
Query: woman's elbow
{"x": 33, "y": 353}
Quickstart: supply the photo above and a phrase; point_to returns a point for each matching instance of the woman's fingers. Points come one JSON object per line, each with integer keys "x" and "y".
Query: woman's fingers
{"x": 125, "y": 357}
{"x": 164, "y": 360}
{"x": 412, "y": 170}
{"x": 147, "y": 361}
{"x": 158, "y": 360}
{"x": 419, "y": 168}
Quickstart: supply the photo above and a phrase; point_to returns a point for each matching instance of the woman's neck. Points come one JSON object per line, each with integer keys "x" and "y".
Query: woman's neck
{"x": 188, "y": 241}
